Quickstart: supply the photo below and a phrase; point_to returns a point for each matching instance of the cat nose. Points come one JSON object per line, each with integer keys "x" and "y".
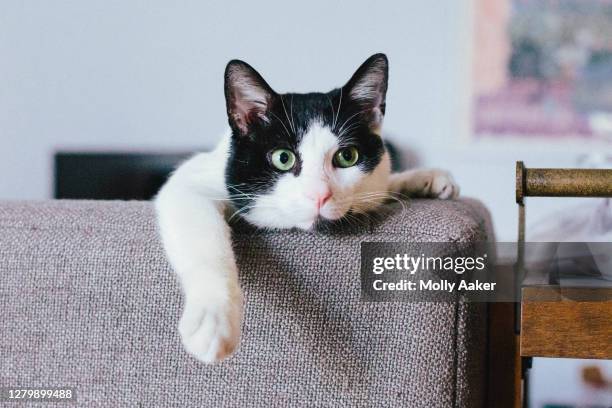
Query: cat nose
{"x": 320, "y": 197}
{"x": 323, "y": 199}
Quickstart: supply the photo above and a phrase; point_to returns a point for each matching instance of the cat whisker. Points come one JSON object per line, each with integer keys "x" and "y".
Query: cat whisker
{"x": 357, "y": 221}
{"x": 238, "y": 212}
{"x": 335, "y": 113}
{"x": 373, "y": 199}
{"x": 350, "y": 117}
{"x": 338, "y": 111}
{"x": 282, "y": 123}
{"x": 285, "y": 110}
{"x": 348, "y": 130}
{"x": 291, "y": 109}
{"x": 331, "y": 105}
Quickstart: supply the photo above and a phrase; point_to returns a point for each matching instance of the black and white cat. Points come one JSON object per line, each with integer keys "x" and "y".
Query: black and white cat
{"x": 288, "y": 161}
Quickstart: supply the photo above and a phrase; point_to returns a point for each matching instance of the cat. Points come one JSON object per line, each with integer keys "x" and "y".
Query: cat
{"x": 287, "y": 161}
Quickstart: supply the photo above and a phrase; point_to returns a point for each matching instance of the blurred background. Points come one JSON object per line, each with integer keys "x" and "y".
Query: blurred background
{"x": 103, "y": 98}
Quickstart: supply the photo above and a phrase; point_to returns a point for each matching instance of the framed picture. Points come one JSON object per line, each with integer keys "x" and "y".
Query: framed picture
{"x": 542, "y": 70}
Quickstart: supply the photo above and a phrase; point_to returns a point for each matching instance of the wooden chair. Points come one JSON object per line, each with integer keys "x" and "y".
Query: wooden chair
{"x": 549, "y": 321}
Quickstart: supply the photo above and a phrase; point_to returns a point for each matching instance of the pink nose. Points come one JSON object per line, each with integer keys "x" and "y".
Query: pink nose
{"x": 322, "y": 198}
{"x": 319, "y": 194}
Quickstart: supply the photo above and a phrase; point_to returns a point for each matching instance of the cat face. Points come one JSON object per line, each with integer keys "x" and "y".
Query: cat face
{"x": 296, "y": 159}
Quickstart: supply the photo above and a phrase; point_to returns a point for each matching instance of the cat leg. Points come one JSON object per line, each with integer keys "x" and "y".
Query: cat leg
{"x": 431, "y": 183}
{"x": 190, "y": 211}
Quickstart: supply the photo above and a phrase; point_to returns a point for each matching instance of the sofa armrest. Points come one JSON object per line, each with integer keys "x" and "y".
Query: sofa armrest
{"x": 89, "y": 301}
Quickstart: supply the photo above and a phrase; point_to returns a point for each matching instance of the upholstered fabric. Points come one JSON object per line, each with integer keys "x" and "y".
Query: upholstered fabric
{"x": 89, "y": 301}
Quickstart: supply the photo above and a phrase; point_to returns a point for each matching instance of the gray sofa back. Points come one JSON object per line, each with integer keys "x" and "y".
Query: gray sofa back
{"x": 89, "y": 301}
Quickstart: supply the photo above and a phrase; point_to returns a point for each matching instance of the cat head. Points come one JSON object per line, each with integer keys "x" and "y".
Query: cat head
{"x": 296, "y": 159}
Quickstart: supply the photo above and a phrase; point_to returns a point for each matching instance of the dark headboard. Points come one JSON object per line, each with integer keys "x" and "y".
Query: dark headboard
{"x": 112, "y": 176}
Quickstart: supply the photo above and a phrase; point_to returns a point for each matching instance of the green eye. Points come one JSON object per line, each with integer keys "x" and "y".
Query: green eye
{"x": 283, "y": 159}
{"x": 346, "y": 157}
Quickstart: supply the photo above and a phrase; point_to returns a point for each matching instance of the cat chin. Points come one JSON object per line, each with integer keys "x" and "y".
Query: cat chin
{"x": 307, "y": 225}
{"x": 334, "y": 213}
{"x": 304, "y": 219}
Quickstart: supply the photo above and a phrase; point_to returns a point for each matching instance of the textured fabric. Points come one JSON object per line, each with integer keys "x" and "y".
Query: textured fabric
{"x": 89, "y": 301}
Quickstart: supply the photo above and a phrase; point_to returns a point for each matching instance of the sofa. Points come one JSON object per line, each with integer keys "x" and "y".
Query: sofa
{"x": 89, "y": 301}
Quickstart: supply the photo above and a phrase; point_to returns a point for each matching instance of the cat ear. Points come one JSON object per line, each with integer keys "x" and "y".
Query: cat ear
{"x": 247, "y": 95}
{"x": 368, "y": 88}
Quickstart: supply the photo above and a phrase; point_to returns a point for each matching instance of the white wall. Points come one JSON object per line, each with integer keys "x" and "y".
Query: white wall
{"x": 147, "y": 75}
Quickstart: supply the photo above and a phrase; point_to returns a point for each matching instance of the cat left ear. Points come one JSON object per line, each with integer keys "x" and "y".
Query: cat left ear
{"x": 368, "y": 88}
{"x": 247, "y": 95}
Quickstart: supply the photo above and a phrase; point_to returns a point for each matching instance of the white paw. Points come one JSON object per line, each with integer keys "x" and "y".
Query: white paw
{"x": 443, "y": 185}
{"x": 211, "y": 332}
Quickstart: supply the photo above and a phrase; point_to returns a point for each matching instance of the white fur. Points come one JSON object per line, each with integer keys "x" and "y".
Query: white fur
{"x": 191, "y": 210}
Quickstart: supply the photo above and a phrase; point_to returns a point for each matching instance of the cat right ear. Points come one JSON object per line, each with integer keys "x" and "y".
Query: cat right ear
{"x": 368, "y": 88}
{"x": 248, "y": 97}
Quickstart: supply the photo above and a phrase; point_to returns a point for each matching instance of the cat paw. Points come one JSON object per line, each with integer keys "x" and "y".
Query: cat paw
{"x": 211, "y": 333}
{"x": 442, "y": 186}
